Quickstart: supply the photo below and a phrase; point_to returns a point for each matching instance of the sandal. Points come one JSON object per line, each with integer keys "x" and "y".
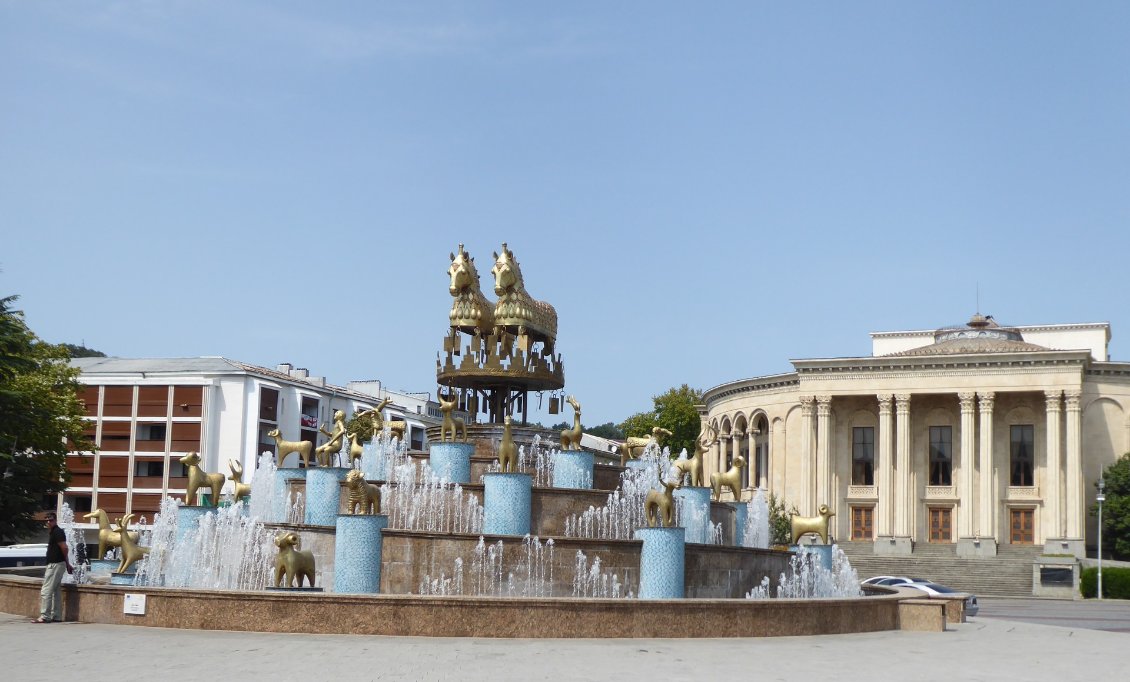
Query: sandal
{"x": 41, "y": 619}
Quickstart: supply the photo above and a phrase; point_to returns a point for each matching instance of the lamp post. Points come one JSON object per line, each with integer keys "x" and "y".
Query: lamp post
{"x": 1100, "y": 498}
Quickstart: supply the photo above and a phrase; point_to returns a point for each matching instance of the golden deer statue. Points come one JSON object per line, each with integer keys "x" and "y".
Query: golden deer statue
{"x": 507, "y": 449}
{"x": 131, "y": 551}
{"x": 242, "y": 489}
{"x": 198, "y": 478}
{"x": 571, "y": 438}
{"x": 108, "y": 536}
{"x": 450, "y": 423}
{"x": 659, "y": 506}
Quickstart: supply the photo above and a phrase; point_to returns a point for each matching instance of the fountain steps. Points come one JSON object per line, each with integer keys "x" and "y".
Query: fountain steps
{"x": 1007, "y": 574}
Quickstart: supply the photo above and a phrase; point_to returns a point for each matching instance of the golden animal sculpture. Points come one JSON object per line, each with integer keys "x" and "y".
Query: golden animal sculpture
{"x": 304, "y": 448}
{"x": 362, "y": 494}
{"x": 732, "y": 479}
{"x": 471, "y": 312}
{"x": 198, "y": 478}
{"x": 571, "y": 438}
{"x": 242, "y": 489}
{"x": 397, "y": 428}
{"x": 108, "y": 536}
{"x": 293, "y": 562}
{"x": 356, "y": 449}
{"x": 507, "y": 449}
{"x": 693, "y": 465}
{"x": 131, "y": 551}
{"x": 802, "y": 525}
{"x": 450, "y": 423}
{"x": 325, "y": 452}
{"x": 516, "y": 309}
{"x": 660, "y": 505}
{"x": 635, "y": 445}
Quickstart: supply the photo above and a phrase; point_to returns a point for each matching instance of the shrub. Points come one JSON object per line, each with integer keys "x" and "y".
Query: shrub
{"x": 1116, "y": 582}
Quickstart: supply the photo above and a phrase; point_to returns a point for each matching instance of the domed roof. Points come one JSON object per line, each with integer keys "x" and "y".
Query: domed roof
{"x": 981, "y": 334}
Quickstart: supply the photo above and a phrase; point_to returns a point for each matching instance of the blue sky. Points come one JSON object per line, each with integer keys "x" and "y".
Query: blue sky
{"x": 703, "y": 192}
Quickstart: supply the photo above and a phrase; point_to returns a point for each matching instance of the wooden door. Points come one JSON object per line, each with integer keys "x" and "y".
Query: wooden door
{"x": 941, "y": 524}
{"x": 1023, "y": 527}
{"x": 862, "y": 523}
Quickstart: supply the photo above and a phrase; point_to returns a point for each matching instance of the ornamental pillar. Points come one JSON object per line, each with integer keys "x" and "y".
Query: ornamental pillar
{"x": 806, "y": 454}
{"x": 824, "y": 452}
{"x": 967, "y": 491}
{"x": 986, "y": 521}
{"x": 884, "y": 468}
{"x": 1053, "y": 475}
{"x": 1073, "y": 490}
{"x": 904, "y": 498}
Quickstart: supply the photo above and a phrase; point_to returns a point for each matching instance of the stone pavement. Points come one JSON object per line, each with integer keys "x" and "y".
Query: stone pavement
{"x": 986, "y": 648}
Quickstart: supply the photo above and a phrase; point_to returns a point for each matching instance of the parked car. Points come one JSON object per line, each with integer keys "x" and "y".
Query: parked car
{"x": 935, "y": 590}
{"x": 888, "y": 580}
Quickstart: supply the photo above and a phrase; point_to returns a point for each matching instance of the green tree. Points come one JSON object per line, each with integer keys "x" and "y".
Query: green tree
{"x": 607, "y": 430}
{"x": 40, "y": 420}
{"x": 1116, "y": 507}
{"x": 82, "y": 351}
{"x": 674, "y": 410}
{"x": 780, "y": 521}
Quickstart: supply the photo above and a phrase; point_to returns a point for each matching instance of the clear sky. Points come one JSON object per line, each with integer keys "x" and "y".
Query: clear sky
{"x": 703, "y": 190}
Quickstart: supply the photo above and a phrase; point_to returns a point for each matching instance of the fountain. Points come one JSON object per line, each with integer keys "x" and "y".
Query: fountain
{"x": 531, "y": 544}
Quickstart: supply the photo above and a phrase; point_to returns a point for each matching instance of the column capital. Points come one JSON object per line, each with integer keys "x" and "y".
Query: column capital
{"x": 824, "y": 405}
{"x": 1054, "y": 399}
{"x": 884, "y": 403}
{"x": 902, "y": 402}
{"x": 1072, "y": 400}
{"x": 968, "y": 401}
{"x": 986, "y": 400}
{"x": 805, "y": 405}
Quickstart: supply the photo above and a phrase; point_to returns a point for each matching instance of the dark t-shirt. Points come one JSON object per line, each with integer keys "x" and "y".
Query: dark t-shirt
{"x": 54, "y": 554}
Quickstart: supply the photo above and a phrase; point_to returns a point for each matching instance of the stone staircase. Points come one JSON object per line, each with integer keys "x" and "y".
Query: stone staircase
{"x": 1009, "y": 574}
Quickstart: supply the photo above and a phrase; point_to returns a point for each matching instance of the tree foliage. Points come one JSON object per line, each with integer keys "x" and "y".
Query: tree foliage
{"x": 76, "y": 351}
{"x": 1116, "y": 508}
{"x": 606, "y": 430}
{"x": 674, "y": 410}
{"x": 40, "y": 419}
{"x": 780, "y": 520}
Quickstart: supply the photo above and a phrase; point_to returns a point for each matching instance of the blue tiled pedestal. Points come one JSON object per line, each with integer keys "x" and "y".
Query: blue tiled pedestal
{"x": 573, "y": 469}
{"x": 451, "y": 460}
{"x": 694, "y": 513}
{"x": 740, "y": 513}
{"x": 100, "y": 568}
{"x": 188, "y": 518}
{"x": 662, "y": 562}
{"x": 280, "y": 501}
{"x": 506, "y": 503}
{"x": 823, "y": 553}
{"x": 357, "y": 553}
{"x": 323, "y": 494}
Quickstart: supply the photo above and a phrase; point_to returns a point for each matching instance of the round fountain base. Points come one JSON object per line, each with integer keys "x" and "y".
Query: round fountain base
{"x": 323, "y": 494}
{"x": 357, "y": 553}
{"x": 573, "y": 469}
{"x": 451, "y": 460}
{"x": 662, "y": 562}
{"x": 506, "y": 503}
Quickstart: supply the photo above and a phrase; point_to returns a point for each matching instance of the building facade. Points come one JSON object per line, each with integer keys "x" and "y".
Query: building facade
{"x": 145, "y": 414}
{"x": 976, "y": 435}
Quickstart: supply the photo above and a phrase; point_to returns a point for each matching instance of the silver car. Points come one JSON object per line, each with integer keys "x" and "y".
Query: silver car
{"x": 936, "y": 590}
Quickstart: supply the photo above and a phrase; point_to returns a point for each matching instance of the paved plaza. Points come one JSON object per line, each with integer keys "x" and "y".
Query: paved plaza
{"x": 1007, "y": 641}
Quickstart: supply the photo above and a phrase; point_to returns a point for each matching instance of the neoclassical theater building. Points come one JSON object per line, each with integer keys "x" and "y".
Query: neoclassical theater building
{"x": 976, "y": 435}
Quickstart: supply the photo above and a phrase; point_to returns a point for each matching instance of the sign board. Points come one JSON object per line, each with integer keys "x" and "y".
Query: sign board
{"x": 134, "y": 604}
{"x": 309, "y": 421}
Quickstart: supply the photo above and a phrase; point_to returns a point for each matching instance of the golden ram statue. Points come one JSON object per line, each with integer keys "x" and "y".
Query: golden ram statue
{"x": 293, "y": 563}
{"x": 802, "y": 525}
{"x": 516, "y": 311}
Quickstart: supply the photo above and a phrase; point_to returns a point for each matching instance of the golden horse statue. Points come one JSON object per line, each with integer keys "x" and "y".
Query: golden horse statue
{"x": 516, "y": 311}
{"x": 471, "y": 312}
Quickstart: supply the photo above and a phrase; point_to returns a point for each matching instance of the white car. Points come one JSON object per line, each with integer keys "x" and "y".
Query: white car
{"x": 936, "y": 590}
{"x": 889, "y": 580}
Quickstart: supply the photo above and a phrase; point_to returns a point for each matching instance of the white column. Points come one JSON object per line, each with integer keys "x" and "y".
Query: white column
{"x": 904, "y": 499}
{"x": 1073, "y": 493}
{"x": 722, "y": 452}
{"x": 967, "y": 491}
{"x": 1054, "y": 472}
{"x": 986, "y": 527}
{"x": 738, "y": 436}
{"x": 884, "y": 469}
{"x": 751, "y": 465}
{"x": 824, "y": 452}
{"x": 804, "y": 504}
{"x": 765, "y": 454}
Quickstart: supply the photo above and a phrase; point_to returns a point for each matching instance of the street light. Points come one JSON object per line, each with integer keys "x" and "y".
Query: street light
{"x": 1100, "y": 498}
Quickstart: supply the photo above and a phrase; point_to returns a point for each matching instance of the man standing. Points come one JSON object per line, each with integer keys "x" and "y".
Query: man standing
{"x": 51, "y": 595}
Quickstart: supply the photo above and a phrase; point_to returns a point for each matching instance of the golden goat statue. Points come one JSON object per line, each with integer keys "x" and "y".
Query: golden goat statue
{"x": 447, "y": 405}
{"x": 659, "y": 506}
{"x": 198, "y": 478}
{"x": 292, "y": 562}
{"x": 802, "y": 525}
{"x": 242, "y": 489}
{"x": 732, "y": 479}
{"x": 131, "y": 551}
{"x": 693, "y": 465}
{"x": 304, "y": 448}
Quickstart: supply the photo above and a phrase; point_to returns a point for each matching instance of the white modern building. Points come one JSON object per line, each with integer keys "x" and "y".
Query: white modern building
{"x": 974, "y": 435}
{"x": 144, "y": 414}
